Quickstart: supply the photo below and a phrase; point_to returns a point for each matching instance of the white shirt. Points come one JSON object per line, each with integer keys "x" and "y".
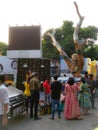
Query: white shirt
{"x": 3, "y": 98}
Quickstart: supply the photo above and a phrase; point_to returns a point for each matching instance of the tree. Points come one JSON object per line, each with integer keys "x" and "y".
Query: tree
{"x": 91, "y": 52}
{"x": 47, "y": 48}
{"x": 3, "y": 48}
{"x": 91, "y": 49}
{"x": 64, "y": 35}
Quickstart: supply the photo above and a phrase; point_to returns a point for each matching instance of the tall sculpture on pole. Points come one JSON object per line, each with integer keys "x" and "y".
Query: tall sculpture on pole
{"x": 76, "y": 62}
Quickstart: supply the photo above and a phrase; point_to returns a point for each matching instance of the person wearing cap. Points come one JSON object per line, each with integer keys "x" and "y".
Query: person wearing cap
{"x": 34, "y": 99}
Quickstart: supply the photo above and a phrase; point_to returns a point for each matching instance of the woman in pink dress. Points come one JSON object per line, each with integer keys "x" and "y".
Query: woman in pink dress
{"x": 71, "y": 109}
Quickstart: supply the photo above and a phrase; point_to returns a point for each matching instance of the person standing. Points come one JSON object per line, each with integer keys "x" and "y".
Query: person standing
{"x": 71, "y": 108}
{"x": 86, "y": 75}
{"x": 84, "y": 97}
{"x": 96, "y": 82}
{"x": 34, "y": 99}
{"x": 56, "y": 89}
{"x": 92, "y": 86}
{"x": 46, "y": 86}
{"x": 4, "y": 104}
{"x": 27, "y": 93}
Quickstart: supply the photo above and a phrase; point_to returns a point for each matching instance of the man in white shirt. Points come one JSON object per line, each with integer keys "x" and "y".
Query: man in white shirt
{"x": 4, "y": 104}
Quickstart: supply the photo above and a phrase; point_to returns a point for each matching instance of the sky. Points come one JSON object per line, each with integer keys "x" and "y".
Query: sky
{"x": 47, "y": 13}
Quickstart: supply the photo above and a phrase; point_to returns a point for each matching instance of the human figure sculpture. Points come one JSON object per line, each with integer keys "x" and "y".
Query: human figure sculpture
{"x": 76, "y": 62}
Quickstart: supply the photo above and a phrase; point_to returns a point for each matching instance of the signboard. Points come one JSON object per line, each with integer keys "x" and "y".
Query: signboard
{"x": 24, "y": 42}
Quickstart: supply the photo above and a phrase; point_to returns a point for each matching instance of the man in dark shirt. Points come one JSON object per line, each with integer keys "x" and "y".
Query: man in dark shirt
{"x": 56, "y": 88}
{"x": 34, "y": 99}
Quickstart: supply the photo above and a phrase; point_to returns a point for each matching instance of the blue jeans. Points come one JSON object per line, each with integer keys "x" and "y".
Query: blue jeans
{"x": 54, "y": 103}
{"x": 47, "y": 98}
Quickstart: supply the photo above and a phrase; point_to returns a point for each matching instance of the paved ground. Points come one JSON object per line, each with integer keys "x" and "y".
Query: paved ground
{"x": 89, "y": 122}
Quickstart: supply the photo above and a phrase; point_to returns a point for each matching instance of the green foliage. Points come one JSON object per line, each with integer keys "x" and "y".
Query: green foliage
{"x": 49, "y": 51}
{"x": 89, "y": 32}
{"x": 91, "y": 52}
{"x": 3, "y": 48}
{"x": 64, "y": 36}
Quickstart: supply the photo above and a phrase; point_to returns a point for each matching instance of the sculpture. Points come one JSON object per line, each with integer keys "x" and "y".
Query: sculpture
{"x": 76, "y": 62}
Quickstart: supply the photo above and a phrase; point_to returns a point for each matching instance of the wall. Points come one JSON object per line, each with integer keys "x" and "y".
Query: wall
{"x": 42, "y": 66}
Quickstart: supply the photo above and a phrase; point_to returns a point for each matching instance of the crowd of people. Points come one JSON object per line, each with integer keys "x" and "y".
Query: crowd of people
{"x": 78, "y": 97}
{"x": 79, "y": 104}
